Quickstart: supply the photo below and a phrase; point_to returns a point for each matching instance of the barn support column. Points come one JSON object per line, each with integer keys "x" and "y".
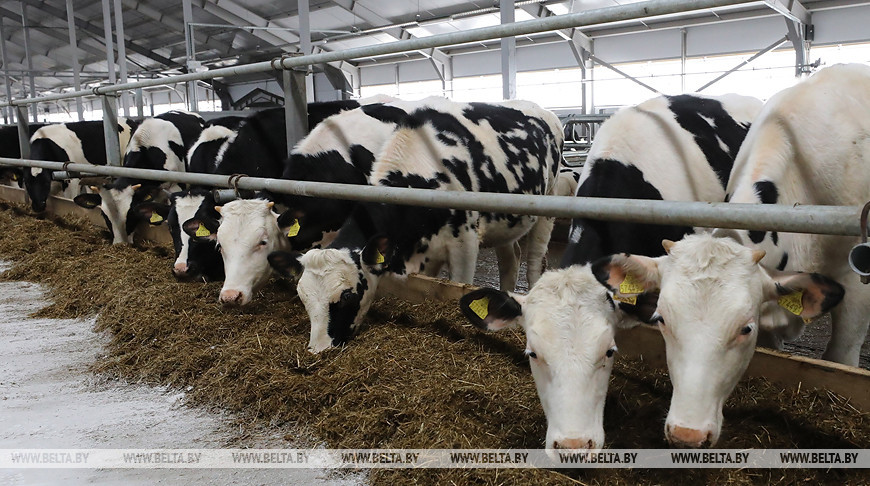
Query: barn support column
{"x": 24, "y": 25}
{"x": 110, "y": 48}
{"x": 192, "y": 65}
{"x": 140, "y": 103}
{"x": 295, "y": 106}
{"x": 508, "y": 53}
{"x": 110, "y": 129}
{"x": 122, "y": 55}
{"x": 9, "y": 112}
{"x": 71, "y": 25}
{"x": 23, "y": 131}
{"x": 683, "y": 49}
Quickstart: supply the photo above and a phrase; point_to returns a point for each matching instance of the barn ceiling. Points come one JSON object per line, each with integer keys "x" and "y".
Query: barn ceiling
{"x": 155, "y": 41}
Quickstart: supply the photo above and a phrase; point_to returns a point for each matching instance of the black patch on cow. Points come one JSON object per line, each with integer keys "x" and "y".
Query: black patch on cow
{"x": 385, "y": 114}
{"x": 343, "y": 312}
{"x": 204, "y": 158}
{"x": 692, "y": 113}
{"x": 783, "y": 262}
{"x": 832, "y": 290}
{"x": 319, "y": 111}
{"x": 768, "y": 194}
{"x": 93, "y": 140}
{"x": 204, "y": 261}
{"x": 610, "y": 301}
{"x": 612, "y": 179}
{"x": 189, "y": 127}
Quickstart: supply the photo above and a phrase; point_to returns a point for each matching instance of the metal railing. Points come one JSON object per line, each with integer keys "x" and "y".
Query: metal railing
{"x": 831, "y": 220}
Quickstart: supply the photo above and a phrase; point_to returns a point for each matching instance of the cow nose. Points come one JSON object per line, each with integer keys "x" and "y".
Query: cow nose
{"x": 575, "y": 444}
{"x": 180, "y": 270}
{"x": 688, "y": 437}
{"x": 38, "y": 206}
{"x": 231, "y": 297}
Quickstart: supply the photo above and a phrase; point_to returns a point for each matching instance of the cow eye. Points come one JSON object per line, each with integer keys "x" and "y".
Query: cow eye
{"x": 262, "y": 243}
{"x": 656, "y": 318}
{"x": 531, "y": 354}
{"x": 746, "y": 330}
{"x": 611, "y": 352}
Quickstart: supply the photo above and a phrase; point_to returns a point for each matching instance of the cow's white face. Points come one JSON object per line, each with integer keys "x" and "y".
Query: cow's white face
{"x": 115, "y": 206}
{"x": 248, "y": 232}
{"x": 186, "y": 207}
{"x": 337, "y": 292}
{"x": 570, "y": 324}
{"x": 711, "y": 292}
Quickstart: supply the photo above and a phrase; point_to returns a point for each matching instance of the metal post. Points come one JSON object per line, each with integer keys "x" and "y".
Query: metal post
{"x": 110, "y": 49}
{"x": 683, "y": 48}
{"x": 122, "y": 54}
{"x": 140, "y": 103}
{"x": 304, "y": 27}
{"x": 23, "y": 132}
{"x": 508, "y": 53}
{"x": 9, "y": 110}
{"x": 192, "y": 65}
{"x": 110, "y": 130}
{"x": 24, "y": 25}
{"x": 295, "y": 106}
{"x": 70, "y": 18}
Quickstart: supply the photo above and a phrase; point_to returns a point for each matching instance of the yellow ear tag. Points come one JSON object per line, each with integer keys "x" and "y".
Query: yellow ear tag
{"x": 14, "y": 177}
{"x": 631, "y": 285}
{"x": 155, "y": 218}
{"x": 378, "y": 257}
{"x": 628, "y": 300}
{"x": 480, "y": 307}
{"x": 202, "y": 231}
{"x": 294, "y": 229}
{"x": 793, "y": 302}
{"x": 147, "y": 197}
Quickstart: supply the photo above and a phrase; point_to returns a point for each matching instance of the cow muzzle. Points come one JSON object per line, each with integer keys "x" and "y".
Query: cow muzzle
{"x": 679, "y": 436}
{"x": 586, "y": 444}
{"x": 233, "y": 297}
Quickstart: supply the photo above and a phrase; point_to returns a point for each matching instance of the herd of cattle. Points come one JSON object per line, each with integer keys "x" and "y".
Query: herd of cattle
{"x": 713, "y": 294}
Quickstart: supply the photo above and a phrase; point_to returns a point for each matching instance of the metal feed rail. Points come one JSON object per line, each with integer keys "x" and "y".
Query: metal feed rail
{"x": 830, "y": 220}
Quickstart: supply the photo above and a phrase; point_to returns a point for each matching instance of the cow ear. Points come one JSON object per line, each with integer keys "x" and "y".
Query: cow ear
{"x": 286, "y": 263}
{"x": 628, "y": 276}
{"x": 88, "y": 201}
{"x": 153, "y": 212}
{"x": 290, "y": 222}
{"x": 491, "y": 309}
{"x": 200, "y": 229}
{"x": 378, "y": 252}
{"x": 806, "y": 295}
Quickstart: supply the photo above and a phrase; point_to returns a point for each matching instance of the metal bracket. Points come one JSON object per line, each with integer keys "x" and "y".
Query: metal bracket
{"x": 280, "y": 63}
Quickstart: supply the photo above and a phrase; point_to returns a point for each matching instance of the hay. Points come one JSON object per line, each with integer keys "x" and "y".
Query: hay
{"x": 416, "y": 377}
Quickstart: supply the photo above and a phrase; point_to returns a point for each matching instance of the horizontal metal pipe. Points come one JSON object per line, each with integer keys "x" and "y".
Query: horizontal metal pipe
{"x": 831, "y": 220}
{"x": 590, "y": 17}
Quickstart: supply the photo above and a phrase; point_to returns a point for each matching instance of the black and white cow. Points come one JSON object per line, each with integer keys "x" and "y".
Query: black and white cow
{"x": 159, "y": 143}
{"x": 77, "y": 142}
{"x": 510, "y": 147}
{"x": 809, "y": 145}
{"x": 255, "y": 146}
{"x": 677, "y": 148}
{"x": 10, "y": 148}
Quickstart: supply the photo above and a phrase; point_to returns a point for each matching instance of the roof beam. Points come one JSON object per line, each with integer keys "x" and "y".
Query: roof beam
{"x": 398, "y": 33}
{"x": 54, "y": 33}
{"x": 579, "y": 42}
{"x": 232, "y": 12}
{"x": 174, "y": 24}
{"x": 791, "y": 9}
{"x": 98, "y": 34}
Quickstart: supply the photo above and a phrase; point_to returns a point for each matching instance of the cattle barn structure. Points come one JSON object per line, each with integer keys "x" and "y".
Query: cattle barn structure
{"x": 271, "y": 207}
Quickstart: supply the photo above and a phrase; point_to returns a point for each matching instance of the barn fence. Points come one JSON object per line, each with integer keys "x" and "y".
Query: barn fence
{"x": 831, "y": 220}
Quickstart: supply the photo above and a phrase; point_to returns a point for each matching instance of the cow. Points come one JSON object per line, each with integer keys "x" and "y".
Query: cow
{"x": 76, "y": 142}
{"x": 159, "y": 143}
{"x": 255, "y": 146}
{"x": 10, "y": 148}
{"x": 670, "y": 147}
{"x": 808, "y": 146}
{"x": 509, "y": 147}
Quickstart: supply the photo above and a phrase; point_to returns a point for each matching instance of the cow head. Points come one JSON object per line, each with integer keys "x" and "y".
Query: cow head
{"x": 711, "y": 292}
{"x": 37, "y": 183}
{"x": 118, "y": 203}
{"x": 196, "y": 253}
{"x": 303, "y": 231}
{"x": 245, "y": 235}
{"x": 570, "y": 322}
{"x": 13, "y": 176}
{"x": 336, "y": 286}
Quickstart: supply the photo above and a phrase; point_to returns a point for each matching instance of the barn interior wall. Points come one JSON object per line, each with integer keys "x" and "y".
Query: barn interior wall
{"x": 843, "y": 25}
